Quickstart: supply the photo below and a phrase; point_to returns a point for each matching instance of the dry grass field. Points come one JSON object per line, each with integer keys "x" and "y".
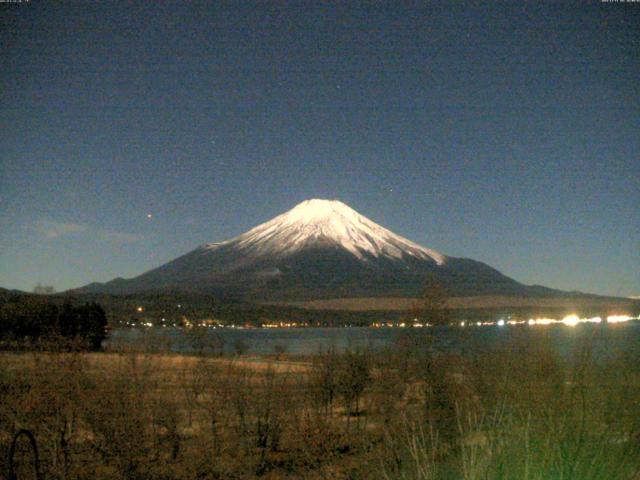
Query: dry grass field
{"x": 520, "y": 412}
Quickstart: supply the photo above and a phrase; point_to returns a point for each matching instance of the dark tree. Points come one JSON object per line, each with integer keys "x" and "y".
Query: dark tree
{"x": 92, "y": 324}
{"x": 431, "y": 307}
{"x": 26, "y": 317}
{"x": 31, "y": 318}
{"x": 68, "y": 322}
{"x": 353, "y": 377}
{"x": 44, "y": 289}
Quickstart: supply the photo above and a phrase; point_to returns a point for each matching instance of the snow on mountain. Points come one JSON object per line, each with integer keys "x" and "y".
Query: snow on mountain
{"x": 327, "y": 222}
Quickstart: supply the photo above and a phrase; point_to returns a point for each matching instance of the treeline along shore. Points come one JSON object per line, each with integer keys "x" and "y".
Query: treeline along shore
{"x": 27, "y": 321}
{"x": 181, "y": 308}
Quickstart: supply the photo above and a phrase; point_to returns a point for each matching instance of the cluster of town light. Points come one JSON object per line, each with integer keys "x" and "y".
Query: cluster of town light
{"x": 569, "y": 320}
{"x": 283, "y": 325}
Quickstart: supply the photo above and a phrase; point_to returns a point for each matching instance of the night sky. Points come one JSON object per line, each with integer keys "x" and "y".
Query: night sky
{"x": 504, "y": 132}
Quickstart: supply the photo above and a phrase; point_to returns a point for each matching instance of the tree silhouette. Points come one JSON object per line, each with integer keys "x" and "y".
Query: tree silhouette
{"x": 44, "y": 289}
{"x": 31, "y": 318}
{"x": 431, "y": 306}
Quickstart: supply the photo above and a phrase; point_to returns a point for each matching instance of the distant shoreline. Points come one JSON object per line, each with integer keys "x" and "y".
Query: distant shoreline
{"x": 497, "y": 301}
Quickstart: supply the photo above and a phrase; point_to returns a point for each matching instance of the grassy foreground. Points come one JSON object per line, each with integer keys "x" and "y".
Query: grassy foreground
{"x": 520, "y": 412}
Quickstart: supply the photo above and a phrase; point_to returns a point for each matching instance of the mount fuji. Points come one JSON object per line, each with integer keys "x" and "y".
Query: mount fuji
{"x": 320, "y": 249}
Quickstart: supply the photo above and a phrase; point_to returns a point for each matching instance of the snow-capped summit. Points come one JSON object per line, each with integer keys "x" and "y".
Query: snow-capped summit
{"x": 327, "y": 223}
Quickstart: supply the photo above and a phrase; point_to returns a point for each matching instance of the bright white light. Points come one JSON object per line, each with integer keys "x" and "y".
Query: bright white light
{"x": 545, "y": 321}
{"x": 571, "y": 320}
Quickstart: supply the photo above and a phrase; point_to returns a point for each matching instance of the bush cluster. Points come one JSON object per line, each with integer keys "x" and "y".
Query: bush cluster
{"x": 30, "y": 319}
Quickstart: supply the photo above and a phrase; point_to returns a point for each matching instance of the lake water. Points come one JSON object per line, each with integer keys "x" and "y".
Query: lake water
{"x": 303, "y": 341}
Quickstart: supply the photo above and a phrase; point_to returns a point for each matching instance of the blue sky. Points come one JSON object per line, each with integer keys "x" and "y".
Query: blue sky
{"x": 503, "y": 132}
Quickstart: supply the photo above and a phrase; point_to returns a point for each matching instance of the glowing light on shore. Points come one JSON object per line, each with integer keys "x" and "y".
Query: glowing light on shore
{"x": 571, "y": 320}
{"x": 545, "y": 321}
{"x": 620, "y": 318}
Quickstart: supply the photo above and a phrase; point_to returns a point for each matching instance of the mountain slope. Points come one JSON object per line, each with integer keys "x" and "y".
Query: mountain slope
{"x": 318, "y": 249}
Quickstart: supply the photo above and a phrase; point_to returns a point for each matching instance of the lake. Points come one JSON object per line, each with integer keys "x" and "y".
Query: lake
{"x": 606, "y": 338}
